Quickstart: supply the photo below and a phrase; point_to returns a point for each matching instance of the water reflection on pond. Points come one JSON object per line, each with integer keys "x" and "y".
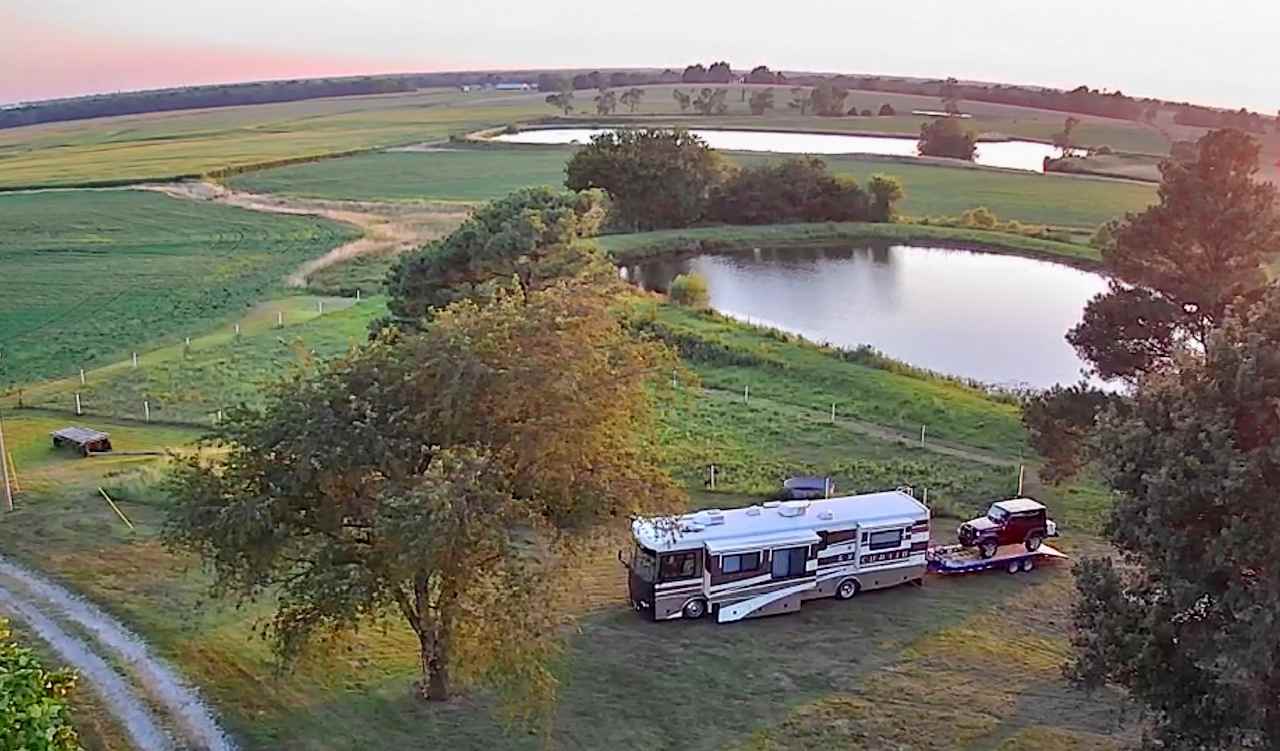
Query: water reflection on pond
{"x": 1016, "y": 154}
{"x": 999, "y": 319}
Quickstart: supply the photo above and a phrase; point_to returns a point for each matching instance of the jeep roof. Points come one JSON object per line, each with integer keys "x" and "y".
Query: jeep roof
{"x": 1019, "y": 505}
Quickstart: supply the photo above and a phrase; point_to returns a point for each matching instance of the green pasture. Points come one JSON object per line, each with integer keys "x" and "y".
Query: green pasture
{"x": 92, "y": 275}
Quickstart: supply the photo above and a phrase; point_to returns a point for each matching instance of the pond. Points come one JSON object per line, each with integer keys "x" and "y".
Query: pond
{"x": 999, "y": 319}
{"x": 1021, "y": 155}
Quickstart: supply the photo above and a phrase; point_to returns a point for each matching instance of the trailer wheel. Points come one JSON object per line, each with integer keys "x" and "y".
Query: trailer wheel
{"x": 694, "y": 609}
{"x": 1012, "y": 567}
{"x": 1033, "y": 541}
{"x": 1028, "y": 564}
{"x": 987, "y": 549}
{"x": 847, "y": 589}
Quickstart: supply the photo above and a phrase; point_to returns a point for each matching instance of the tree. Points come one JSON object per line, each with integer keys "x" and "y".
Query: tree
{"x": 887, "y": 110}
{"x": 632, "y": 98}
{"x": 827, "y": 100}
{"x": 885, "y": 192}
{"x": 1059, "y": 422}
{"x": 443, "y": 479}
{"x": 606, "y": 102}
{"x": 947, "y": 137}
{"x": 553, "y": 82}
{"x": 34, "y": 713}
{"x": 949, "y": 93}
{"x": 793, "y": 190}
{"x": 562, "y": 100}
{"x": 682, "y": 98}
{"x": 1187, "y": 621}
{"x": 801, "y": 99}
{"x": 1065, "y": 140}
{"x": 526, "y": 238}
{"x": 762, "y": 74}
{"x": 711, "y": 101}
{"x": 1177, "y": 266}
{"x": 761, "y": 101}
{"x": 719, "y": 73}
{"x": 655, "y": 178}
{"x": 694, "y": 74}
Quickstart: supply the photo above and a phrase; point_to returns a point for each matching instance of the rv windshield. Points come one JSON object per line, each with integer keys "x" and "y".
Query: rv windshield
{"x": 644, "y": 564}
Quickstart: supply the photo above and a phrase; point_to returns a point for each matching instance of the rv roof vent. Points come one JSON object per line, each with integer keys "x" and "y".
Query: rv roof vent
{"x": 711, "y": 517}
{"x": 772, "y": 504}
{"x": 753, "y": 511}
{"x": 826, "y": 515}
{"x": 792, "y": 509}
{"x": 691, "y": 527}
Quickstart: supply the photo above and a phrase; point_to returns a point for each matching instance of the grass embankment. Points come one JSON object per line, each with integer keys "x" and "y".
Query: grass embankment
{"x": 908, "y": 642}
{"x": 631, "y": 248}
{"x": 160, "y": 146}
{"x": 486, "y": 171}
{"x": 91, "y": 275}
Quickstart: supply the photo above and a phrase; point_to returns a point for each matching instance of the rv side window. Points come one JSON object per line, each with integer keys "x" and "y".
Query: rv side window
{"x": 732, "y": 564}
{"x": 678, "y": 566}
{"x": 789, "y": 562}
{"x": 889, "y": 538}
{"x": 644, "y": 564}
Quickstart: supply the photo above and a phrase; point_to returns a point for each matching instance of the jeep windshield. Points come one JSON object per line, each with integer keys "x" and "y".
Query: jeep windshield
{"x": 997, "y": 515}
{"x": 644, "y": 564}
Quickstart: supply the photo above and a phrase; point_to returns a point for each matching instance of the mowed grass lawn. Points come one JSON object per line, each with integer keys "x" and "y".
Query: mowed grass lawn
{"x": 473, "y": 173}
{"x": 91, "y": 275}
{"x": 193, "y": 142}
{"x": 859, "y": 673}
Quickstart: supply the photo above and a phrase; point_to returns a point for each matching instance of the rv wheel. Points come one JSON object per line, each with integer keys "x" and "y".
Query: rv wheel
{"x": 695, "y": 609}
{"x": 847, "y": 589}
{"x": 1033, "y": 542}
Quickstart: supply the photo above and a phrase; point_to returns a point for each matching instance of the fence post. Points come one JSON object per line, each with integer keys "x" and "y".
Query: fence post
{"x": 78, "y": 403}
{"x": 320, "y": 307}
{"x": 746, "y": 394}
{"x": 4, "y": 466}
{"x": 237, "y": 330}
{"x": 926, "y": 495}
{"x": 713, "y": 477}
{"x": 833, "y": 413}
{"x": 357, "y": 295}
{"x": 82, "y": 376}
{"x": 135, "y": 359}
{"x": 1022, "y": 473}
{"x": 922, "y": 436}
{"x": 146, "y": 410}
{"x": 279, "y": 319}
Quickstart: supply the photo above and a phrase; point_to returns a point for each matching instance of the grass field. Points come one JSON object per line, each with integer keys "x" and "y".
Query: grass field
{"x": 920, "y": 646}
{"x": 194, "y": 142}
{"x": 473, "y": 173}
{"x": 88, "y": 275}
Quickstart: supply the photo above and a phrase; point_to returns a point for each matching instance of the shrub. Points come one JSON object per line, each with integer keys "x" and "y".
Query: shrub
{"x": 691, "y": 291}
{"x": 887, "y": 110}
{"x": 795, "y": 190}
{"x": 979, "y": 218}
{"x": 34, "y": 714}
{"x": 1103, "y": 150}
{"x": 947, "y": 137}
{"x": 866, "y": 113}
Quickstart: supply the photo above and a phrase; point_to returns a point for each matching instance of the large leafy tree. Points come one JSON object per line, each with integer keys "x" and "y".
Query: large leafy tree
{"x": 761, "y": 101}
{"x": 632, "y": 98}
{"x": 606, "y": 102}
{"x": 34, "y": 713}
{"x": 1188, "y": 620}
{"x": 828, "y": 99}
{"x": 1177, "y": 266}
{"x": 442, "y": 480}
{"x": 655, "y": 178}
{"x": 526, "y": 239}
{"x": 947, "y": 136}
{"x": 792, "y": 190}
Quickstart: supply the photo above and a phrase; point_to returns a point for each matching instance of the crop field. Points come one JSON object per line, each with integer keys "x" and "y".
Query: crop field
{"x": 486, "y": 172}
{"x": 88, "y": 275}
{"x": 192, "y": 142}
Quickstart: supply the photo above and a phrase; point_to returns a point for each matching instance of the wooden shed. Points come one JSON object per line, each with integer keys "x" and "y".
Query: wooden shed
{"x": 85, "y": 441}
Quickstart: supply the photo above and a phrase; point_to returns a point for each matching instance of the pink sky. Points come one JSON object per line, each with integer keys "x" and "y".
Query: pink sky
{"x": 40, "y": 61}
{"x": 1223, "y": 55}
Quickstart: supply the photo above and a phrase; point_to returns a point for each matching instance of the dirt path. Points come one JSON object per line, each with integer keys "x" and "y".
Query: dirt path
{"x": 389, "y": 228}
{"x": 50, "y": 610}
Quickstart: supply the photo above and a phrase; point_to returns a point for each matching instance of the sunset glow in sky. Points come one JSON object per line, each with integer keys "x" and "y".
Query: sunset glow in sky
{"x": 1224, "y": 54}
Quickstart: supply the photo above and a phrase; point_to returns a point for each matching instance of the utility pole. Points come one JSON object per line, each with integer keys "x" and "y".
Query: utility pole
{"x": 4, "y": 470}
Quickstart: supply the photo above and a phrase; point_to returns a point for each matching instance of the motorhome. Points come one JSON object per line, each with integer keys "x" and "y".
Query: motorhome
{"x": 771, "y": 557}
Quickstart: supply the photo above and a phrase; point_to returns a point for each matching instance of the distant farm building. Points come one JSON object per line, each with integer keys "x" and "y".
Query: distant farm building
{"x": 940, "y": 113}
{"x": 514, "y": 87}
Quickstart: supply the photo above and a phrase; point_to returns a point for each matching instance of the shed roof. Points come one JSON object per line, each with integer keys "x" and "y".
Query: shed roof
{"x": 79, "y": 436}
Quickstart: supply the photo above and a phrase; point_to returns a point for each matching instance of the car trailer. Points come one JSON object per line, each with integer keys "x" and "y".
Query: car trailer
{"x": 87, "y": 442}
{"x": 957, "y": 559}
